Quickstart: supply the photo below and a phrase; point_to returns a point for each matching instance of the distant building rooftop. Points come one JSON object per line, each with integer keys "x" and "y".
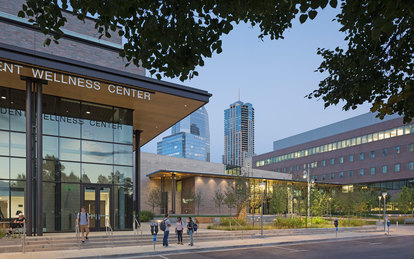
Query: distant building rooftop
{"x": 353, "y": 123}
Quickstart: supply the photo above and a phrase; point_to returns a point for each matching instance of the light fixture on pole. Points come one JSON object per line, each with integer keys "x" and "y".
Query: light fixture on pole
{"x": 306, "y": 175}
{"x": 262, "y": 187}
{"x": 384, "y": 195}
{"x": 379, "y": 204}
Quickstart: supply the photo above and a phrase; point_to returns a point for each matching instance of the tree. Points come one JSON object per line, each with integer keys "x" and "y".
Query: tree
{"x": 279, "y": 200}
{"x": 154, "y": 198}
{"x": 173, "y": 38}
{"x": 198, "y": 196}
{"x": 219, "y": 199}
{"x": 405, "y": 200}
{"x": 230, "y": 199}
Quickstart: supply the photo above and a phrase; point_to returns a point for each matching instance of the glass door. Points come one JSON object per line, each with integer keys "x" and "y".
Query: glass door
{"x": 97, "y": 202}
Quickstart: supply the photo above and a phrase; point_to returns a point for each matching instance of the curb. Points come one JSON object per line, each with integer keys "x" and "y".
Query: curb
{"x": 218, "y": 248}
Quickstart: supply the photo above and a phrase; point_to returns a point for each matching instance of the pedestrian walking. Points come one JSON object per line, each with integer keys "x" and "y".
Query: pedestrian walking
{"x": 83, "y": 221}
{"x": 165, "y": 226}
{"x": 179, "y": 227}
{"x": 190, "y": 230}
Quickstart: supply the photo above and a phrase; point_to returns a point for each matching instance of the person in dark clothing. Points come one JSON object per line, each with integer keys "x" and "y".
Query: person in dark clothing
{"x": 17, "y": 223}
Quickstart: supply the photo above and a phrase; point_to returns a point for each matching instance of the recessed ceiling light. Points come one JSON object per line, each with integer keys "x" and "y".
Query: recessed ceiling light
{"x": 3, "y": 97}
{"x": 185, "y": 105}
{"x": 88, "y": 112}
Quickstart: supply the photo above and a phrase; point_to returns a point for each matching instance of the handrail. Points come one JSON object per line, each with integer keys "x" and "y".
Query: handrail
{"x": 77, "y": 235}
{"x": 109, "y": 233}
{"x": 237, "y": 223}
{"x": 24, "y": 237}
{"x": 136, "y": 226}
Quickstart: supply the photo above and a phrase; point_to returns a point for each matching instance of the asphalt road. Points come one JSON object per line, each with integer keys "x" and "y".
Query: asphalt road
{"x": 382, "y": 247}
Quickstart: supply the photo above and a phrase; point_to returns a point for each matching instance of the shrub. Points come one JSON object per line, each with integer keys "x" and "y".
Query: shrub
{"x": 319, "y": 221}
{"x": 146, "y": 215}
{"x": 226, "y": 222}
{"x": 289, "y": 223}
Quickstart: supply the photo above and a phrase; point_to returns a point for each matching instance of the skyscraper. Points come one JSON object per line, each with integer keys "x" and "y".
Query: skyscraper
{"x": 238, "y": 133}
{"x": 190, "y": 138}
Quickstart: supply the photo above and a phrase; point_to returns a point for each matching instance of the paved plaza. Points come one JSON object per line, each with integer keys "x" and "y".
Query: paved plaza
{"x": 290, "y": 243}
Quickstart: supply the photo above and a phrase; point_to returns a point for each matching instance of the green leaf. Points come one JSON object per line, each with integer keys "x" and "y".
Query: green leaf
{"x": 312, "y": 14}
{"x": 21, "y": 14}
{"x": 303, "y": 18}
{"x": 333, "y": 3}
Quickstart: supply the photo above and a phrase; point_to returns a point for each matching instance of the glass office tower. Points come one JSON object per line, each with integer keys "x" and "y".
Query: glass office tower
{"x": 190, "y": 138}
{"x": 238, "y": 133}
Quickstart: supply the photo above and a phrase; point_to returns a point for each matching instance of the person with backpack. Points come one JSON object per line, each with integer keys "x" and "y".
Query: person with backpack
{"x": 83, "y": 220}
{"x": 179, "y": 226}
{"x": 191, "y": 228}
{"x": 165, "y": 226}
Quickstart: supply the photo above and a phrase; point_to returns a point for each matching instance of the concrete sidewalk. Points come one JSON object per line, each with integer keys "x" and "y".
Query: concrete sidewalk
{"x": 148, "y": 250}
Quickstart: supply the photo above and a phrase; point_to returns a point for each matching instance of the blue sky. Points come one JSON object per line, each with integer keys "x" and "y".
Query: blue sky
{"x": 272, "y": 75}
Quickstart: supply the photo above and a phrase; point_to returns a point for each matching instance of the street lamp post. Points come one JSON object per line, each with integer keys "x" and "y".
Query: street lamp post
{"x": 306, "y": 174}
{"x": 262, "y": 186}
{"x": 329, "y": 208}
{"x": 379, "y": 205}
{"x": 384, "y": 195}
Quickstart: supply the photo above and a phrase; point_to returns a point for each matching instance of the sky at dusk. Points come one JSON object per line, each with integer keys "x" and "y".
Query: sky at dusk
{"x": 274, "y": 76}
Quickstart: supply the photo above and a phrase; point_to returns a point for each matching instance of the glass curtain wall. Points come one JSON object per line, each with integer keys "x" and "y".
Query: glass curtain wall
{"x": 82, "y": 143}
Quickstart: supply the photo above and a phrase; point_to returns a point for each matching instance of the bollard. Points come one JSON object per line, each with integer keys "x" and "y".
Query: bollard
{"x": 396, "y": 224}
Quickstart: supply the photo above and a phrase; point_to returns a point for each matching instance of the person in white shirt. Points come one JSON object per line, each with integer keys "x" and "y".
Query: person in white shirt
{"x": 179, "y": 227}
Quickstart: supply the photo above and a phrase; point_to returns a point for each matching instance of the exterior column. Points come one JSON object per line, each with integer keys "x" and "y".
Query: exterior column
{"x": 137, "y": 194}
{"x": 173, "y": 193}
{"x": 39, "y": 178}
{"x": 29, "y": 162}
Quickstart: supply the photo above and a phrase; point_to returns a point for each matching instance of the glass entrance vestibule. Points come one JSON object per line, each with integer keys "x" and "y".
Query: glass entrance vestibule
{"x": 87, "y": 160}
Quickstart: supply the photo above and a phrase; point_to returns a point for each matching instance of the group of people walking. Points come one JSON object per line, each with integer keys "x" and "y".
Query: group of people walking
{"x": 180, "y": 226}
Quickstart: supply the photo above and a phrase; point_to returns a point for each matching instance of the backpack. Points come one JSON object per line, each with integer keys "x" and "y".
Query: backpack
{"x": 162, "y": 225}
{"x": 195, "y": 227}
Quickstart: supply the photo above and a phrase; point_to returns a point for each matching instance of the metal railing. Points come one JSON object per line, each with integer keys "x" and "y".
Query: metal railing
{"x": 235, "y": 225}
{"x": 77, "y": 233}
{"x": 23, "y": 239}
{"x": 109, "y": 233}
{"x": 137, "y": 229}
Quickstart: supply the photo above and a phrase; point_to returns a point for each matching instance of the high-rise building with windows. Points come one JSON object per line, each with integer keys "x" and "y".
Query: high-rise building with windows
{"x": 238, "y": 133}
{"x": 190, "y": 138}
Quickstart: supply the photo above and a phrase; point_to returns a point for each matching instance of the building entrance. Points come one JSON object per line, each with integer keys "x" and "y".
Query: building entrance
{"x": 97, "y": 199}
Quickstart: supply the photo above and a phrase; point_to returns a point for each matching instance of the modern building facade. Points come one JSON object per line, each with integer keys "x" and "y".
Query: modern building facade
{"x": 177, "y": 179}
{"x": 190, "y": 138}
{"x": 361, "y": 150}
{"x": 238, "y": 133}
{"x": 71, "y": 116}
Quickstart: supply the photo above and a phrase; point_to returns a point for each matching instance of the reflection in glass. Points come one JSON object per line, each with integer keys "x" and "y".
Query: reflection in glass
{"x": 17, "y": 189}
{"x": 50, "y": 147}
{"x": 4, "y": 199}
{"x": 69, "y": 200}
{"x": 50, "y": 124}
{"x": 97, "y": 152}
{"x": 17, "y": 120}
{"x": 4, "y": 117}
{"x": 50, "y": 169}
{"x": 4, "y": 167}
{"x": 51, "y": 208}
{"x": 69, "y": 149}
{"x": 97, "y": 173}
{"x": 70, "y": 172}
{"x": 4, "y": 143}
{"x": 123, "y": 175}
{"x": 18, "y": 168}
{"x": 18, "y": 144}
{"x": 104, "y": 217}
{"x": 123, "y": 207}
{"x": 123, "y": 154}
